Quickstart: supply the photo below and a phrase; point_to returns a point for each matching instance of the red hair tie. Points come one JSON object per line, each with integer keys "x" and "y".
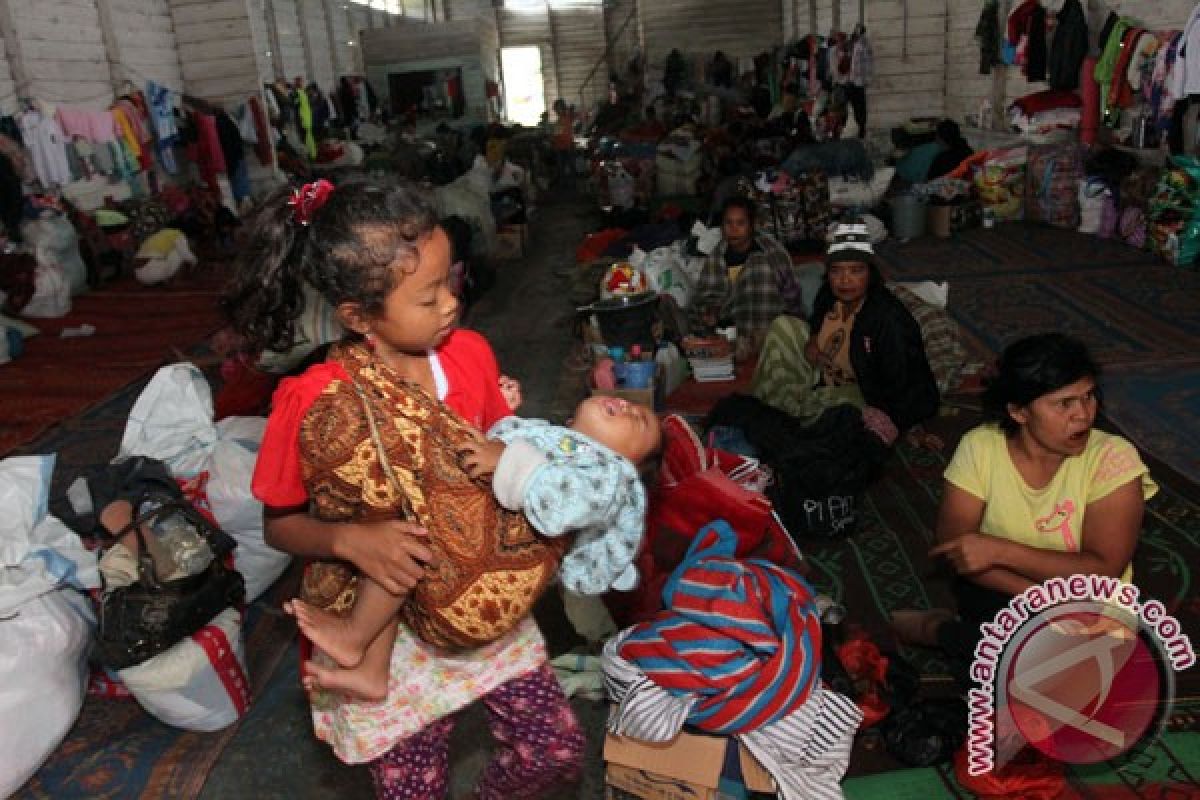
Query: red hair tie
{"x": 308, "y": 199}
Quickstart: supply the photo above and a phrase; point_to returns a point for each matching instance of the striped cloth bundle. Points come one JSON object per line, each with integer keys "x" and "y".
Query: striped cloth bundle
{"x": 742, "y": 637}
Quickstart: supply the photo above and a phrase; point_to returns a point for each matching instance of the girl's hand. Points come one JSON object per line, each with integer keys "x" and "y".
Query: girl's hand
{"x": 390, "y": 552}
{"x": 970, "y": 553}
{"x": 481, "y": 455}
{"x": 510, "y": 390}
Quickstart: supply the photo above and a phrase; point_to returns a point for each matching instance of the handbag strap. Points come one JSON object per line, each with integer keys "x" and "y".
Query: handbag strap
{"x": 381, "y": 451}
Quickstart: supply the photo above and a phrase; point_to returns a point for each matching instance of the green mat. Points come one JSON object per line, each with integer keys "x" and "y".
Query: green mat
{"x": 1167, "y": 769}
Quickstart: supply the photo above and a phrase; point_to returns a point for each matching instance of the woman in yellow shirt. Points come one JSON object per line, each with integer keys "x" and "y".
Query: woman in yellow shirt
{"x": 1036, "y": 493}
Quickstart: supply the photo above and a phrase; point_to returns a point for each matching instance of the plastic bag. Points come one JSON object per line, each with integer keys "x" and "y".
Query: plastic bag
{"x": 43, "y": 656}
{"x": 172, "y": 421}
{"x": 56, "y": 244}
{"x": 199, "y": 684}
{"x": 45, "y": 625}
{"x": 51, "y": 293}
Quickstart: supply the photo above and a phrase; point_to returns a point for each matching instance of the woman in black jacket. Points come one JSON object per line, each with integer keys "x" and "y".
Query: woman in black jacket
{"x": 861, "y": 346}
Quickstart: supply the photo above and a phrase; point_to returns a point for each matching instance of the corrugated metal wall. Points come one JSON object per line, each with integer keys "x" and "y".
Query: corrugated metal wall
{"x": 742, "y": 28}
{"x": 316, "y": 37}
{"x": 291, "y": 42}
{"x": 579, "y": 43}
{"x": 8, "y": 87}
{"x": 343, "y": 54}
{"x": 146, "y": 40}
{"x": 910, "y": 59}
{"x": 531, "y": 29}
{"x": 260, "y": 29}
{"x": 63, "y": 50}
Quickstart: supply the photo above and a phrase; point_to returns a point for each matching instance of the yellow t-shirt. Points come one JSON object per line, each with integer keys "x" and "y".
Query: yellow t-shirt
{"x": 1050, "y": 518}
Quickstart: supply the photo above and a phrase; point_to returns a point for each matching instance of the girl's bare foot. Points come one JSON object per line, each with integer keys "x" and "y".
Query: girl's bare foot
{"x": 920, "y": 627}
{"x": 336, "y": 636}
{"x": 361, "y": 683}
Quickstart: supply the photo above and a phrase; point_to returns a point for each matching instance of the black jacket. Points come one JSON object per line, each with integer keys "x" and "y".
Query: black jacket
{"x": 1069, "y": 47}
{"x": 888, "y": 356}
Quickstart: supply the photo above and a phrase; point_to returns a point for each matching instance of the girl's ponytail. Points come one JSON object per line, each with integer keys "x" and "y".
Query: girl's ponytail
{"x": 265, "y": 297}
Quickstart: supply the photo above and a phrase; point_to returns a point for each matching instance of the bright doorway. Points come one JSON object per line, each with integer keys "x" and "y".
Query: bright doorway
{"x": 524, "y": 94}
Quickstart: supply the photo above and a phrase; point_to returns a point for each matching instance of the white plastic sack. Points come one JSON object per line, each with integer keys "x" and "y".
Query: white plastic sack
{"x": 38, "y": 553}
{"x": 45, "y": 625}
{"x": 666, "y": 274}
{"x": 198, "y": 684}
{"x": 43, "y": 658}
{"x": 468, "y": 197}
{"x": 172, "y": 421}
{"x": 55, "y": 243}
{"x": 51, "y": 293}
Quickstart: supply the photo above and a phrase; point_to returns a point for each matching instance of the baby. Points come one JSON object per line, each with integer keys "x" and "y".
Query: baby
{"x": 579, "y": 480}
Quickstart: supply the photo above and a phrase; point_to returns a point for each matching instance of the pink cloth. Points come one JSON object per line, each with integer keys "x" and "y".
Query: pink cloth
{"x": 95, "y": 126}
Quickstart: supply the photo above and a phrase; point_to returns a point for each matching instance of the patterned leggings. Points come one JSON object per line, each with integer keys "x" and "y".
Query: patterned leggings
{"x": 539, "y": 745}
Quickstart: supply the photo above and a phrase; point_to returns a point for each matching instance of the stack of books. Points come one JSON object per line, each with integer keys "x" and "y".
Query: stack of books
{"x": 711, "y": 358}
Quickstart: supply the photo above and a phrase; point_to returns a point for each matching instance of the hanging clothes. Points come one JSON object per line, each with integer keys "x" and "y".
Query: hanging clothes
{"x": 262, "y": 129}
{"x": 14, "y": 151}
{"x": 12, "y": 200}
{"x": 208, "y": 154}
{"x": 95, "y": 126}
{"x": 1035, "y": 49}
{"x": 47, "y": 147}
{"x": 305, "y": 117}
{"x": 1107, "y": 65}
{"x": 1069, "y": 47}
{"x": 235, "y": 155}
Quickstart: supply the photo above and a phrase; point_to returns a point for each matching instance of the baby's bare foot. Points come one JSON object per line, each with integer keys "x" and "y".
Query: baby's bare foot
{"x": 361, "y": 683}
{"x": 336, "y": 636}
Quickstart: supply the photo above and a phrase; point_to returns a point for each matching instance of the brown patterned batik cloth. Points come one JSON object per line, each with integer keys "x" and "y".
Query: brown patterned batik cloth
{"x": 490, "y": 566}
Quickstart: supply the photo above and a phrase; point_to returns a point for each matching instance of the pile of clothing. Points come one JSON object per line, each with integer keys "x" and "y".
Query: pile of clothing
{"x": 737, "y": 652}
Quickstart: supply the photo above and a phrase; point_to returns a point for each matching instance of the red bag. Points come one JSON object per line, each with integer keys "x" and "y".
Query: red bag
{"x": 695, "y": 488}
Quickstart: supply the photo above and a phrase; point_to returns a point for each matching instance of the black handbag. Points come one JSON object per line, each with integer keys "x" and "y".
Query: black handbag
{"x": 141, "y": 620}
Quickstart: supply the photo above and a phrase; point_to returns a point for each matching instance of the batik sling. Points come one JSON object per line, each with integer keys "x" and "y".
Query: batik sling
{"x": 378, "y": 447}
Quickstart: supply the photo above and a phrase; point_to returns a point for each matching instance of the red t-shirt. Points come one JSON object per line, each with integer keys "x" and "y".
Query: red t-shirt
{"x": 469, "y": 384}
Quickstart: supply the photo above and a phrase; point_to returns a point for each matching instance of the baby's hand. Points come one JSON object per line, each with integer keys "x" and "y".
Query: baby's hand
{"x": 510, "y": 389}
{"x": 481, "y": 455}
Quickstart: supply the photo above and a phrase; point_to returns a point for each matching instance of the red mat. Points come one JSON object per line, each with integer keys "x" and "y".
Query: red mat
{"x": 698, "y": 399}
{"x": 136, "y": 327}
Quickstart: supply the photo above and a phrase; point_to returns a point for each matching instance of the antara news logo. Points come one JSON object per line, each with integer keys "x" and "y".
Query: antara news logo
{"x": 1077, "y": 667}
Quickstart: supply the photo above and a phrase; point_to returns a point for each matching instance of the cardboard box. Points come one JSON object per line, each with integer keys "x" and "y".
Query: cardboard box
{"x": 686, "y": 768}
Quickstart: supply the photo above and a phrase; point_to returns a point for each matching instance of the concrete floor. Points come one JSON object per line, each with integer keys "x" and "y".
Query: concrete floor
{"x": 527, "y": 317}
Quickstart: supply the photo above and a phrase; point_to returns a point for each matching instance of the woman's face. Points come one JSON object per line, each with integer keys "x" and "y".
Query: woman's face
{"x": 735, "y": 227}
{"x": 1060, "y": 421}
{"x": 848, "y": 280}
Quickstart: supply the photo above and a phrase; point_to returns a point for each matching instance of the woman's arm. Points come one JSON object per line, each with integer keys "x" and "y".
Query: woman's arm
{"x": 1109, "y": 538}
{"x": 389, "y": 551}
{"x": 959, "y": 516}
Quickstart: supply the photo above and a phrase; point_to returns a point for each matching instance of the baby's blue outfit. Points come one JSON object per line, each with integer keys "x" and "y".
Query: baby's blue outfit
{"x": 566, "y": 482}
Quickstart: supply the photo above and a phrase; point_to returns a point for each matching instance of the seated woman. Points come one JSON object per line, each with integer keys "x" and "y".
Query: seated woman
{"x": 1034, "y": 494}
{"x": 748, "y": 280}
{"x": 861, "y": 346}
{"x": 952, "y": 150}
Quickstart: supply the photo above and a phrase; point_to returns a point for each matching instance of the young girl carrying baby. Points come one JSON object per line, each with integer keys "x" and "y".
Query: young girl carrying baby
{"x": 379, "y": 258}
